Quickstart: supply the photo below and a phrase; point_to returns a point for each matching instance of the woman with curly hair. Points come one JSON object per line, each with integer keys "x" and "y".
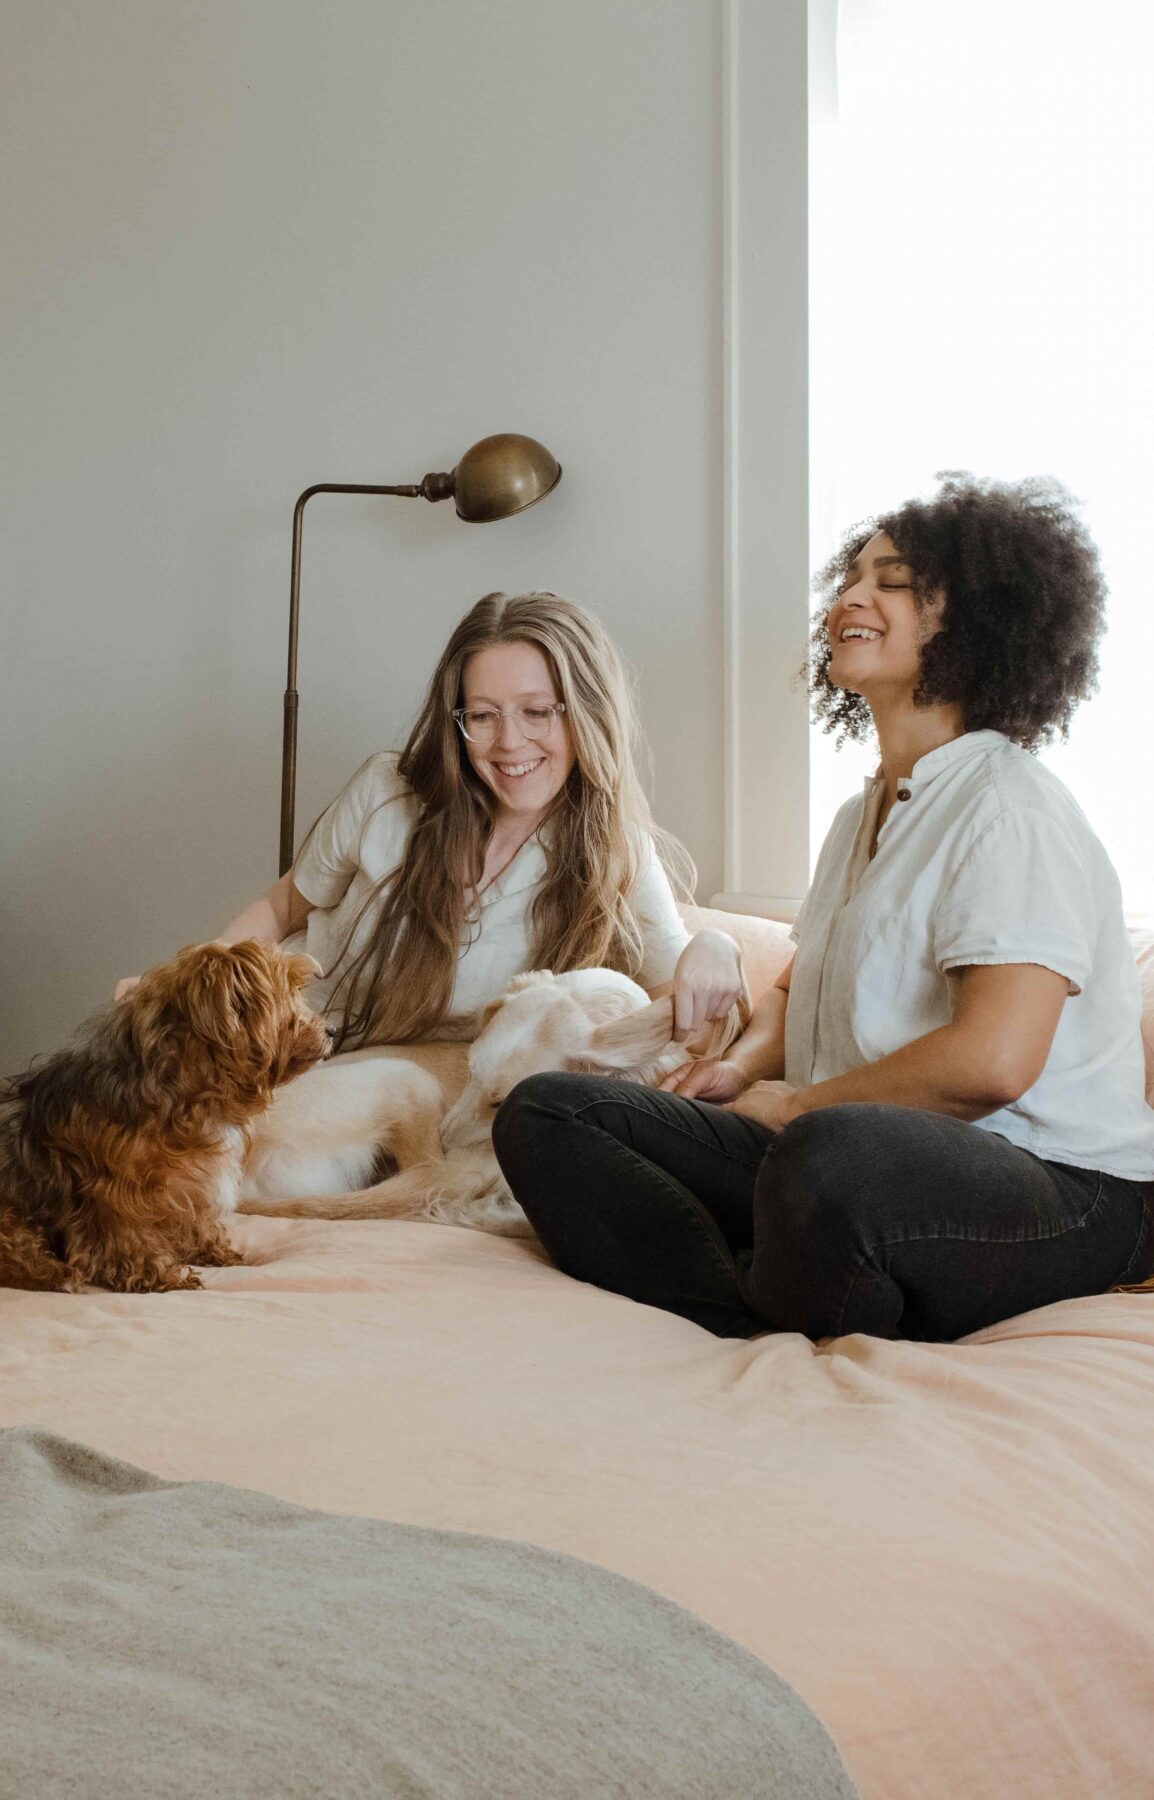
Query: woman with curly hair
{"x": 512, "y": 832}
{"x": 936, "y": 1118}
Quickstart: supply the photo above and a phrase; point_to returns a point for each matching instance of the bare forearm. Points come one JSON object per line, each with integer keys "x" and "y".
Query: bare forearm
{"x": 991, "y": 1053}
{"x": 278, "y": 912}
{"x": 945, "y": 1072}
{"x": 760, "y": 1050}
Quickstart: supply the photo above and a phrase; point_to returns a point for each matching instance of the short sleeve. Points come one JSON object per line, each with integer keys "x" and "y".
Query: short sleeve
{"x": 662, "y": 926}
{"x": 330, "y": 855}
{"x": 1022, "y": 895}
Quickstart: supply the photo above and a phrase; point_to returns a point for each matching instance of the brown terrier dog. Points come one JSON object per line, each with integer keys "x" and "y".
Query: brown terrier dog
{"x": 119, "y": 1157}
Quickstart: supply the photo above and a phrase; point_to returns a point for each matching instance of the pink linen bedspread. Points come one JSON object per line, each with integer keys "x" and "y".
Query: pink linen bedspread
{"x": 947, "y": 1549}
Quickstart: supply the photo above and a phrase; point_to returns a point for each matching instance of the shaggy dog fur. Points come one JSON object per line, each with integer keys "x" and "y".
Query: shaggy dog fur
{"x": 119, "y": 1156}
{"x": 327, "y": 1132}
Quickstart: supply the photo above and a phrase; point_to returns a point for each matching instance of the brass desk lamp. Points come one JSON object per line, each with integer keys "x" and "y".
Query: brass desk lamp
{"x": 499, "y": 476}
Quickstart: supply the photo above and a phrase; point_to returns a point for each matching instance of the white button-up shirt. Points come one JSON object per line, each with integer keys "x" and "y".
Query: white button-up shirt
{"x": 989, "y": 860}
{"x": 361, "y": 838}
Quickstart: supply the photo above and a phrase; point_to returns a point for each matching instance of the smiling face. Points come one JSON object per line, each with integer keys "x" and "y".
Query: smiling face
{"x": 525, "y": 774}
{"x": 876, "y": 626}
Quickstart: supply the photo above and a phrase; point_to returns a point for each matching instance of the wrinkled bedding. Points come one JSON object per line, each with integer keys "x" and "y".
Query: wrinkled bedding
{"x": 944, "y": 1549}
{"x": 169, "y": 1641}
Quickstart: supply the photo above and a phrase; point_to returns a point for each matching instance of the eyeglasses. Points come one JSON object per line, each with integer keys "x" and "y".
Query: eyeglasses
{"x": 482, "y": 724}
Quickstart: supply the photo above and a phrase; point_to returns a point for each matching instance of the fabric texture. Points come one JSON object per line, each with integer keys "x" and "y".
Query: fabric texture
{"x": 361, "y": 838}
{"x": 988, "y": 860}
{"x": 170, "y": 1640}
{"x": 936, "y": 1545}
{"x": 879, "y": 1219}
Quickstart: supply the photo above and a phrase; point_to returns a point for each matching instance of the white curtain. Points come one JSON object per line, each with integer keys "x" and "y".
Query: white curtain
{"x": 983, "y": 298}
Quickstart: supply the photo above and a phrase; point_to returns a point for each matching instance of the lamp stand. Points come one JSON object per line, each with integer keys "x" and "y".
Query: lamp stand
{"x": 497, "y": 477}
{"x": 288, "y": 771}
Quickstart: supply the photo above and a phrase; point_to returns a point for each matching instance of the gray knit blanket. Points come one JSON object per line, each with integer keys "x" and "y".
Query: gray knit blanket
{"x": 173, "y": 1640}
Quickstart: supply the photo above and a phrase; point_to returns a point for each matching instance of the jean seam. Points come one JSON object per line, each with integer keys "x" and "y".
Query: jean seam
{"x": 680, "y": 1129}
{"x": 926, "y": 1237}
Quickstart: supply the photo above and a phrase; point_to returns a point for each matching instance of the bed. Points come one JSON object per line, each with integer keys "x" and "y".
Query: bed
{"x": 944, "y": 1551}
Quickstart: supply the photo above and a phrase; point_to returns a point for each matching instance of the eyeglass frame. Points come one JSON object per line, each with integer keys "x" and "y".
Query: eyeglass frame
{"x": 556, "y": 707}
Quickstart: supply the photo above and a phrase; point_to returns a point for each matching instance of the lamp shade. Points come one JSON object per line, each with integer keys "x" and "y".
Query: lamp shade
{"x": 503, "y": 475}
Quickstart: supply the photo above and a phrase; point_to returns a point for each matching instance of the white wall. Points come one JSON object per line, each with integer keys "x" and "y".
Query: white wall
{"x": 253, "y": 244}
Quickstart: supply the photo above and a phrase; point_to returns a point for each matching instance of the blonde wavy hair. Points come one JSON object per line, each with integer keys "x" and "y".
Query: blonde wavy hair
{"x": 595, "y": 835}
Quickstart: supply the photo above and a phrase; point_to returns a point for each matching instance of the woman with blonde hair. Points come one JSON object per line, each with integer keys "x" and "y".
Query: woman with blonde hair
{"x": 512, "y": 832}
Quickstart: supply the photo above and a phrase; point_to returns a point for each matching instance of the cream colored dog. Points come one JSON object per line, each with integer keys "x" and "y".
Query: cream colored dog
{"x": 332, "y": 1128}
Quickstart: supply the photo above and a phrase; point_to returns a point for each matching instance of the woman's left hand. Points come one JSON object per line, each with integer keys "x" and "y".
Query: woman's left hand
{"x": 768, "y": 1103}
{"x": 707, "y": 981}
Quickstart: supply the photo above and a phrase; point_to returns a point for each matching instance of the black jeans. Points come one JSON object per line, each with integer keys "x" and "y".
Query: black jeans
{"x": 878, "y": 1219}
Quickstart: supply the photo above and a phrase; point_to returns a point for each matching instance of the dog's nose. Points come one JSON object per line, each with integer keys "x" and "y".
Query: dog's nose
{"x": 330, "y": 1032}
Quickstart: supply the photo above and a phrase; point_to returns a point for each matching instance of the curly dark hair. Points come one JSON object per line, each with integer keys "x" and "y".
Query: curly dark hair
{"x": 1024, "y": 610}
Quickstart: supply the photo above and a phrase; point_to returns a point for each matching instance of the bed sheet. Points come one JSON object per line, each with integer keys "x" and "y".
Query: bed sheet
{"x": 946, "y": 1549}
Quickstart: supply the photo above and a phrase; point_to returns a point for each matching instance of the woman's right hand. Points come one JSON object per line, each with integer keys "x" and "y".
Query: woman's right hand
{"x": 714, "y": 1079}
{"x": 124, "y": 986}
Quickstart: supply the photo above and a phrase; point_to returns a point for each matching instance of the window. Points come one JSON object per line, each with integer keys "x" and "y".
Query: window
{"x": 982, "y": 298}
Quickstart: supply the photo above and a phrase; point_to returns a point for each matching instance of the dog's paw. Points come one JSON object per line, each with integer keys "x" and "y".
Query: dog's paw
{"x": 175, "y": 1281}
{"x": 218, "y": 1255}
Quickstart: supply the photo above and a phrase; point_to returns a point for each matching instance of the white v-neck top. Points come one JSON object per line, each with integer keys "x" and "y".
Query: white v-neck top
{"x": 361, "y": 838}
{"x": 989, "y": 860}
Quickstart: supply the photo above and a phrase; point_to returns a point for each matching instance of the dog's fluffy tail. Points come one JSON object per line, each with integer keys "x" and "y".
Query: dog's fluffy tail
{"x": 445, "y": 1191}
{"x": 633, "y": 1044}
{"x": 402, "y": 1196}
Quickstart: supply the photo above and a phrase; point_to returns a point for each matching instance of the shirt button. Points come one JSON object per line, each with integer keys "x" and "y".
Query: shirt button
{"x": 905, "y": 794}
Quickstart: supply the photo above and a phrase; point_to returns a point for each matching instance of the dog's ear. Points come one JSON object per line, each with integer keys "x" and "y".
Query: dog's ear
{"x": 531, "y": 978}
{"x": 226, "y": 995}
{"x": 217, "y": 1017}
{"x": 631, "y": 1041}
{"x": 232, "y": 988}
{"x": 302, "y": 970}
{"x": 488, "y": 1013}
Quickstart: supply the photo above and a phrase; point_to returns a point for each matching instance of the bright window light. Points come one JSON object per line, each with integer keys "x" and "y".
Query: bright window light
{"x": 982, "y": 272}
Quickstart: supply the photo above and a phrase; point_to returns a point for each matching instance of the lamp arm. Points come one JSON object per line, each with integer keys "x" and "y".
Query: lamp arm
{"x": 288, "y": 771}
{"x": 494, "y": 487}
